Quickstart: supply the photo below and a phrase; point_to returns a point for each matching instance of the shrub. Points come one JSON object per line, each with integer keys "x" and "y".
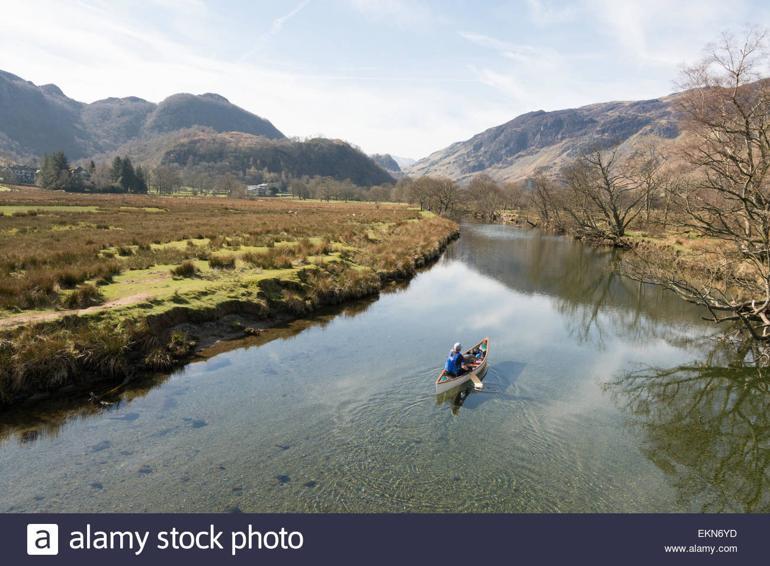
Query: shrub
{"x": 180, "y": 344}
{"x": 102, "y": 348}
{"x": 158, "y": 359}
{"x": 42, "y": 361}
{"x": 275, "y": 258}
{"x": 35, "y": 290}
{"x": 185, "y": 269}
{"x": 84, "y": 296}
{"x": 222, "y": 262}
{"x": 69, "y": 278}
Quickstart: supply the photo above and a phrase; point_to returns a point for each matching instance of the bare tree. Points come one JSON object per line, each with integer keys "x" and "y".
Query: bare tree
{"x": 380, "y": 193}
{"x": 601, "y": 196}
{"x": 437, "y": 194}
{"x": 727, "y": 114}
{"x": 299, "y": 189}
{"x": 166, "y": 179}
{"x": 515, "y": 195}
{"x": 231, "y": 186}
{"x": 647, "y": 168}
{"x": 445, "y": 195}
{"x": 485, "y": 198}
{"x": 544, "y": 199}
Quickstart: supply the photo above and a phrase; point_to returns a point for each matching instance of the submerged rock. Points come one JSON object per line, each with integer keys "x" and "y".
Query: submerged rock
{"x": 103, "y": 445}
{"x": 196, "y": 423}
{"x": 283, "y": 479}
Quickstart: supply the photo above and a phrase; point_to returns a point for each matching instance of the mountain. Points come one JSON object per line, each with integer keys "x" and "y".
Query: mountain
{"x": 239, "y": 153}
{"x": 541, "y": 142}
{"x": 209, "y": 110}
{"x": 41, "y": 119}
{"x": 187, "y": 130}
{"x": 387, "y": 162}
{"x": 35, "y": 119}
{"x": 113, "y": 122}
{"x": 403, "y": 162}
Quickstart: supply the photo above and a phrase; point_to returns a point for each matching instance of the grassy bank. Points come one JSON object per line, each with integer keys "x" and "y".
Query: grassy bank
{"x": 105, "y": 287}
{"x": 663, "y": 247}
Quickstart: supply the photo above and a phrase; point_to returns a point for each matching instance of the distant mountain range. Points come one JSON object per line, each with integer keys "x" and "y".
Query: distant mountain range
{"x": 194, "y": 130}
{"x": 541, "y": 142}
{"x": 41, "y": 119}
{"x": 389, "y": 163}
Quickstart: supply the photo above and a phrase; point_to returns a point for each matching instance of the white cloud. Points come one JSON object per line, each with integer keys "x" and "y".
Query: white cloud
{"x": 664, "y": 33}
{"x": 545, "y": 59}
{"x": 278, "y": 23}
{"x": 522, "y": 73}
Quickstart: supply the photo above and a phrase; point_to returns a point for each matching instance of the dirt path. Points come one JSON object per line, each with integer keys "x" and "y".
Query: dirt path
{"x": 35, "y": 317}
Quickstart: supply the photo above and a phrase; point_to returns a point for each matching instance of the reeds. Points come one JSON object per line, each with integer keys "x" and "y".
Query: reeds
{"x": 222, "y": 262}
{"x": 185, "y": 270}
{"x": 84, "y": 296}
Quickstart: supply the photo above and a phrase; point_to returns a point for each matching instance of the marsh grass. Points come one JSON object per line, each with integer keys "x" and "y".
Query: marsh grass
{"x": 222, "y": 262}
{"x": 83, "y": 297}
{"x": 270, "y": 255}
{"x": 185, "y": 270}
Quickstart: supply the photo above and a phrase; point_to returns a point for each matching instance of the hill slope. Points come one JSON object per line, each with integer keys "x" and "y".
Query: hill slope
{"x": 387, "y": 162}
{"x": 238, "y": 153}
{"x": 544, "y": 141}
{"x": 41, "y": 119}
{"x": 37, "y": 119}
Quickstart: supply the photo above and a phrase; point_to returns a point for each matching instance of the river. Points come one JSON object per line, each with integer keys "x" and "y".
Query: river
{"x": 603, "y": 395}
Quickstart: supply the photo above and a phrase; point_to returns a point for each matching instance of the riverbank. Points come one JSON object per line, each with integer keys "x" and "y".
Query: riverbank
{"x": 103, "y": 288}
{"x": 658, "y": 248}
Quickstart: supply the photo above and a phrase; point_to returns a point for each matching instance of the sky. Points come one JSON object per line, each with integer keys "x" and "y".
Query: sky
{"x": 406, "y": 77}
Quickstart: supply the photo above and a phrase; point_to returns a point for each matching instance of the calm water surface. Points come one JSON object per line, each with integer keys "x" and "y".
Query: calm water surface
{"x": 602, "y": 395}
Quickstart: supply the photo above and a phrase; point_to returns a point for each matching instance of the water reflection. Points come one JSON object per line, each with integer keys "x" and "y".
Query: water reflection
{"x": 707, "y": 427}
{"x": 595, "y": 299}
{"x": 498, "y": 380}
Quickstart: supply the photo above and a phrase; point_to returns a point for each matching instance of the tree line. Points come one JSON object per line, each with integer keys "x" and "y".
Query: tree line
{"x": 119, "y": 176}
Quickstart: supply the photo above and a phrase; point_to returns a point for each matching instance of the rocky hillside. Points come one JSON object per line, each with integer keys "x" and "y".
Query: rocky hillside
{"x": 387, "y": 162}
{"x": 40, "y": 119}
{"x": 544, "y": 141}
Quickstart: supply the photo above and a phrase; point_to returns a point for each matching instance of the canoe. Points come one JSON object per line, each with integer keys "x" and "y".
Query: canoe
{"x": 445, "y": 382}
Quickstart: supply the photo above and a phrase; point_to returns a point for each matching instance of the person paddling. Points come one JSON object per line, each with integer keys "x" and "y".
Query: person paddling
{"x": 454, "y": 362}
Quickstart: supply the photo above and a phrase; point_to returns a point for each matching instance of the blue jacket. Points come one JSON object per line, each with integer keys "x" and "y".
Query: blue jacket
{"x": 454, "y": 363}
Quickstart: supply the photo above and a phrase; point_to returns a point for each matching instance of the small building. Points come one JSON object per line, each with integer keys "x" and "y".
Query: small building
{"x": 257, "y": 190}
{"x": 265, "y": 190}
{"x": 22, "y": 174}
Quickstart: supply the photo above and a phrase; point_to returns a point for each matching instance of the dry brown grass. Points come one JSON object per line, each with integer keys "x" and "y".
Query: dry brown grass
{"x": 273, "y": 256}
{"x": 46, "y": 248}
